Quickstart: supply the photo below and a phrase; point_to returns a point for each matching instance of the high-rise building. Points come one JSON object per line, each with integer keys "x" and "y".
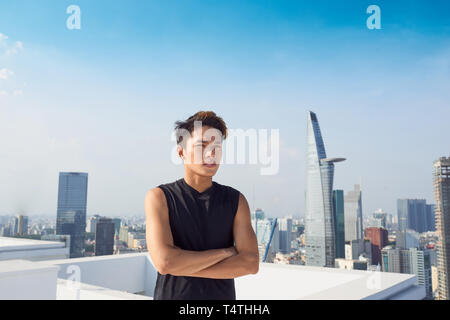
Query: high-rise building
{"x": 285, "y": 231}
{"x": 268, "y": 236}
{"x": 320, "y": 237}
{"x": 395, "y": 260}
{"x": 412, "y": 261}
{"x": 442, "y": 212}
{"x": 123, "y": 233}
{"x": 415, "y": 214}
{"x": 117, "y": 222}
{"x": 378, "y": 240}
{"x": 14, "y": 226}
{"x": 353, "y": 215}
{"x": 22, "y": 225}
{"x": 431, "y": 220}
{"x": 104, "y": 237}
{"x": 421, "y": 267}
{"x": 407, "y": 239}
{"x": 91, "y": 224}
{"x": 379, "y": 219}
{"x": 339, "y": 222}
{"x": 257, "y": 215}
{"x": 71, "y": 212}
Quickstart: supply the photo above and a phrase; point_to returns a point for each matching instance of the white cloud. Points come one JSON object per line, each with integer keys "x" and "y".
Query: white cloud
{"x": 5, "y": 74}
{"x": 17, "y": 92}
{"x": 18, "y": 46}
{"x": 3, "y": 93}
{"x": 8, "y": 49}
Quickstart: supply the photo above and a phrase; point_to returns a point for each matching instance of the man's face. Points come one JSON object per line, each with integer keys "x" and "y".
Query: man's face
{"x": 203, "y": 151}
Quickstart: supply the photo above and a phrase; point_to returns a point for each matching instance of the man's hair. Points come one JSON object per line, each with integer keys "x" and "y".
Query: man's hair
{"x": 208, "y": 118}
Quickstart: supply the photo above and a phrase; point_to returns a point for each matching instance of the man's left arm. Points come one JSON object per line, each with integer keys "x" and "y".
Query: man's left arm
{"x": 246, "y": 261}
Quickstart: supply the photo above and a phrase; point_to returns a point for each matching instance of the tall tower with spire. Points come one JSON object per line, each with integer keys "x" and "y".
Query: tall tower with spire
{"x": 320, "y": 237}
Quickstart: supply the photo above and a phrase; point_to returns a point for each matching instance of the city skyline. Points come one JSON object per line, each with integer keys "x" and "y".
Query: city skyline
{"x": 103, "y": 99}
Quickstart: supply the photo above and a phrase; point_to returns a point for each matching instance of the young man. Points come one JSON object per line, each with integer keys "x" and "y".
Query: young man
{"x": 199, "y": 232}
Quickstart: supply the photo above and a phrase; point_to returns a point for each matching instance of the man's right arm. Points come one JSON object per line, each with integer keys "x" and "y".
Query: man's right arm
{"x": 167, "y": 258}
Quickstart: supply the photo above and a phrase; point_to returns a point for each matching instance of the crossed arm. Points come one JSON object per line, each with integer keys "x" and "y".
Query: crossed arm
{"x": 224, "y": 263}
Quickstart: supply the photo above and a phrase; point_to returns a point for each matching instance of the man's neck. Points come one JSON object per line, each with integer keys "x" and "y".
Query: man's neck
{"x": 197, "y": 182}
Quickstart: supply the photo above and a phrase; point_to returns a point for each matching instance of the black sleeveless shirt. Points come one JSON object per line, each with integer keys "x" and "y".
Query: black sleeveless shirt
{"x": 198, "y": 221}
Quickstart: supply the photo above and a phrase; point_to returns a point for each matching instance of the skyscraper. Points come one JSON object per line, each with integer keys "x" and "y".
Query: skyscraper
{"x": 421, "y": 267}
{"x": 117, "y": 223}
{"x": 378, "y": 240}
{"x": 71, "y": 212}
{"x": 104, "y": 237}
{"x": 22, "y": 228}
{"x": 415, "y": 214}
{"x": 338, "y": 203}
{"x": 431, "y": 220}
{"x": 92, "y": 223}
{"x": 379, "y": 219}
{"x": 285, "y": 232}
{"x": 442, "y": 212}
{"x": 320, "y": 237}
{"x": 353, "y": 215}
{"x": 14, "y": 223}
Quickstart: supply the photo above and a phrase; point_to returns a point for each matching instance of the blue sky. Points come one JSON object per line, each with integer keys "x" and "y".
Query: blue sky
{"x": 103, "y": 99}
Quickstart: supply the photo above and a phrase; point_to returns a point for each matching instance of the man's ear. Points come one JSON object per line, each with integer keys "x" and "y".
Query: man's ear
{"x": 180, "y": 152}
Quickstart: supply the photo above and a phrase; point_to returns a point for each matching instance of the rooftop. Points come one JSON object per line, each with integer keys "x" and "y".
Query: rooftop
{"x": 133, "y": 276}
{"x": 14, "y": 244}
{"x": 28, "y": 249}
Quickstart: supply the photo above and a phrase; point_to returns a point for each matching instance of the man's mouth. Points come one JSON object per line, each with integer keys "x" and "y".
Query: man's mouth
{"x": 210, "y": 165}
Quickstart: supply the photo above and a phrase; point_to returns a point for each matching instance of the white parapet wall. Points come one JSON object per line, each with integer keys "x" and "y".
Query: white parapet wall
{"x": 26, "y": 280}
{"x": 32, "y": 250}
{"x": 133, "y": 276}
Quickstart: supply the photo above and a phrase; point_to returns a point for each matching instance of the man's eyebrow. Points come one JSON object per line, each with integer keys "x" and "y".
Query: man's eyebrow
{"x": 204, "y": 141}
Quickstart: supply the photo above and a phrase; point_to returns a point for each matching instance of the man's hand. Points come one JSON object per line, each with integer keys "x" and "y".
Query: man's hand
{"x": 246, "y": 261}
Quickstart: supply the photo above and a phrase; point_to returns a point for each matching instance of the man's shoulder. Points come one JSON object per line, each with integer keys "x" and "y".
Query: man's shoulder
{"x": 158, "y": 193}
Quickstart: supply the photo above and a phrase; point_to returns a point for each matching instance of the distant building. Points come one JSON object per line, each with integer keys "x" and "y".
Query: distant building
{"x": 14, "y": 223}
{"x": 22, "y": 225}
{"x": 91, "y": 224}
{"x": 123, "y": 234}
{"x": 421, "y": 267}
{"x": 71, "y": 212}
{"x": 378, "y": 239}
{"x": 338, "y": 203}
{"x": 132, "y": 236}
{"x": 104, "y": 237}
{"x": 358, "y": 250}
{"x": 351, "y": 264}
{"x": 268, "y": 237}
{"x": 442, "y": 197}
{"x": 379, "y": 219}
{"x": 285, "y": 232}
{"x": 415, "y": 214}
{"x": 117, "y": 223}
{"x": 412, "y": 261}
{"x": 395, "y": 260}
{"x": 319, "y": 223}
{"x": 353, "y": 215}
{"x": 406, "y": 239}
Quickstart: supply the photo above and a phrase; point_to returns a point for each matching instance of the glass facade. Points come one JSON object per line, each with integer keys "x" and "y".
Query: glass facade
{"x": 338, "y": 203}
{"x": 353, "y": 215}
{"x": 319, "y": 219}
{"x": 71, "y": 212}
{"x": 415, "y": 214}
